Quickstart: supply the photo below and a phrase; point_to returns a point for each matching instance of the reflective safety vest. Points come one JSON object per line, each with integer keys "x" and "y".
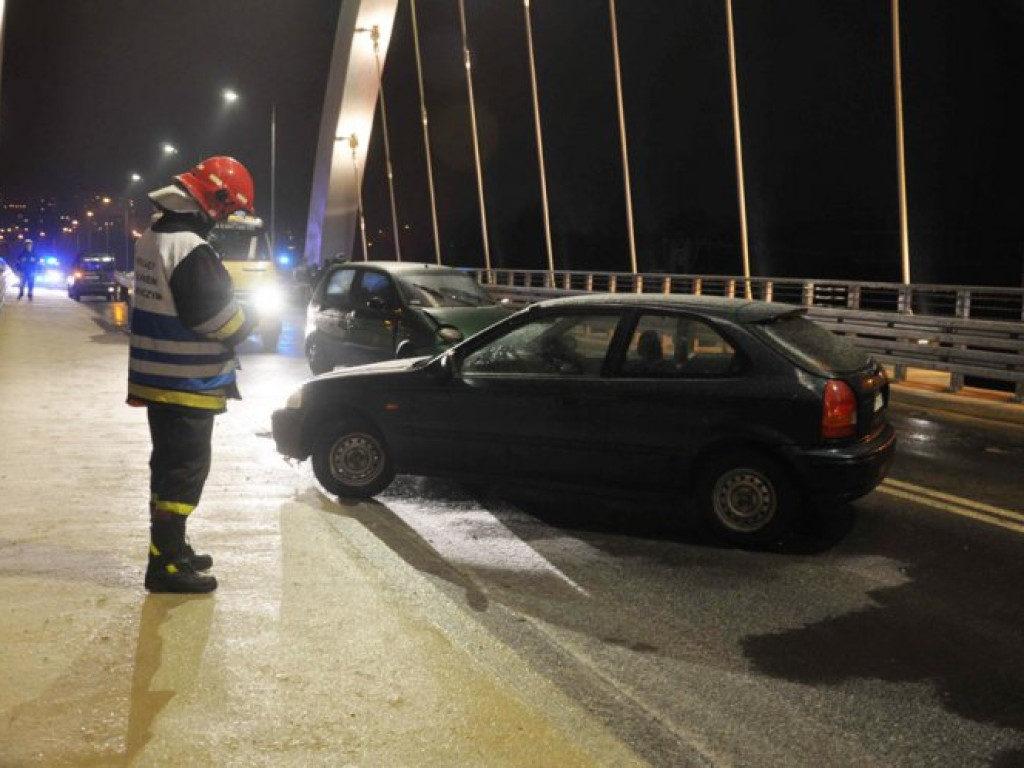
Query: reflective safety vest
{"x": 171, "y": 363}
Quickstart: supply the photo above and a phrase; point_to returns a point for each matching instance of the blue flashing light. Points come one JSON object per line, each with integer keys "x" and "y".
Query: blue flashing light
{"x": 52, "y": 261}
{"x": 284, "y": 259}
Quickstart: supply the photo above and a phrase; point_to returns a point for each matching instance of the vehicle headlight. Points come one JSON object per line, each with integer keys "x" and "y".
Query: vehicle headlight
{"x": 449, "y": 334}
{"x": 268, "y": 299}
{"x": 294, "y": 399}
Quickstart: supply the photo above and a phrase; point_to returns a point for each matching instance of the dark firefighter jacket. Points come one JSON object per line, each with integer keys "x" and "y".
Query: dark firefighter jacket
{"x": 185, "y": 321}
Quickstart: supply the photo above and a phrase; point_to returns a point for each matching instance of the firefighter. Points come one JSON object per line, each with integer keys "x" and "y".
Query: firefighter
{"x": 185, "y": 325}
{"x": 26, "y": 266}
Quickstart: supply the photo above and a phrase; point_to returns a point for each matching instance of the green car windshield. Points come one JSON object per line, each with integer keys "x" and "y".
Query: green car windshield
{"x": 444, "y": 290}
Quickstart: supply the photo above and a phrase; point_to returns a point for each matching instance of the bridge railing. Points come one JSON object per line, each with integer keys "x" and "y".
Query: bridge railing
{"x": 963, "y": 330}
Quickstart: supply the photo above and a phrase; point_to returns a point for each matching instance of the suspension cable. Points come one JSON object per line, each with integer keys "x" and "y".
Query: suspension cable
{"x": 622, "y": 137}
{"x": 540, "y": 142}
{"x": 375, "y": 36}
{"x": 426, "y": 134}
{"x": 476, "y": 139}
{"x": 353, "y": 142}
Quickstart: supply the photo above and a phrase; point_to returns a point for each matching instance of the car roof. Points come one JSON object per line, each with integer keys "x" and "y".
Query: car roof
{"x": 401, "y": 267}
{"x": 736, "y": 310}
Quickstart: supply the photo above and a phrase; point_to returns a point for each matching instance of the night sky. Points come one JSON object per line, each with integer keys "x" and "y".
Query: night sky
{"x": 92, "y": 88}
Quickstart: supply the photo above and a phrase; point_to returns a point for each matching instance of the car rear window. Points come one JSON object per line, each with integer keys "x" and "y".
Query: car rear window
{"x": 814, "y": 347}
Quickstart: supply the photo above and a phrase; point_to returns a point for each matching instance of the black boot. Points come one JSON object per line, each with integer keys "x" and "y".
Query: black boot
{"x": 166, "y": 573}
{"x": 169, "y": 568}
{"x": 199, "y": 562}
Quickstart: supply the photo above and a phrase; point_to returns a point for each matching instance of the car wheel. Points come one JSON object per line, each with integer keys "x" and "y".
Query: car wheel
{"x": 352, "y": 460}
{"x": 316, "y": 356}
{"x": 747, "y": 498}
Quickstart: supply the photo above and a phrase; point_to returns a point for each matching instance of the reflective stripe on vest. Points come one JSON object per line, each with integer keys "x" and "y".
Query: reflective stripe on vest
{"x": 170, "y": 363}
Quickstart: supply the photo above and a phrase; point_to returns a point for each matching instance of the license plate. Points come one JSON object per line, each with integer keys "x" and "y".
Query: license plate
{"x": 879, "y": 402}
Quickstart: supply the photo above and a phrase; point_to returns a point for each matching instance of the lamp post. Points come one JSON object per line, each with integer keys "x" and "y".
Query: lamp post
{"x": 230, "y": 96}
{"x": 129, "y": 210}
{"x": 353, "y": 143}
{"x": 88, "y": 231}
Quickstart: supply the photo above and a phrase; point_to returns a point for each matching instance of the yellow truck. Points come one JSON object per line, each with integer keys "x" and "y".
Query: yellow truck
{"x": 245, "y": 251}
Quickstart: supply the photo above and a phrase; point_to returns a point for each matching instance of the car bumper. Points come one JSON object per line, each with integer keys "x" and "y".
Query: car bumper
{"x": 286, "y": 425}
{"x": 847, "y": 472}
{"x": 94, "y": 289}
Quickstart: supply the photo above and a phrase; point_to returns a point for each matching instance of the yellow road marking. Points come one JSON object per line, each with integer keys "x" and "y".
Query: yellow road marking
{"x": 958, "y": 500}
{"x": 985, "y": 513}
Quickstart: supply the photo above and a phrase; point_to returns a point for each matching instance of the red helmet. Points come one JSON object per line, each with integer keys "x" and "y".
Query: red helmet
{"x": 221, "y": 185}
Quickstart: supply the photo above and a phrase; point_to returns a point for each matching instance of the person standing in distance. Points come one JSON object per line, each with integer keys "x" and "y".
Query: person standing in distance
{"x": 26, "y": 265}
{"x": 185, "y": 325}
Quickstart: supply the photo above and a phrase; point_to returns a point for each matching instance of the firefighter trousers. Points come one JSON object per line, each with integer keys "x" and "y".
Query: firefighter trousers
{"x": 180, "y": 461}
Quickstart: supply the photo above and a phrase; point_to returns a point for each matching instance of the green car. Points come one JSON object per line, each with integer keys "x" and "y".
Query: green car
{"x": 371, "y": 311}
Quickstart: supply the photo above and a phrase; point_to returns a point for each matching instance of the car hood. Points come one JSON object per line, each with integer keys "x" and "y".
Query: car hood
{"x": 385, "y": 366}
{"x": 469, "y": 320}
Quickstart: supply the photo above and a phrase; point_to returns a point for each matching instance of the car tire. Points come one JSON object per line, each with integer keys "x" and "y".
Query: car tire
{"x": 352, "y": 460}
{"x": 747, "y": 498}
{"x": 316, "y": 356}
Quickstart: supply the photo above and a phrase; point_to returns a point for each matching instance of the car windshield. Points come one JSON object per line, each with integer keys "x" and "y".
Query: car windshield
{"x": 239, "y": 245}
{"x": 812, "y": 346}
{"x": 444, "y": 289}
{"x": 97, "y": 265}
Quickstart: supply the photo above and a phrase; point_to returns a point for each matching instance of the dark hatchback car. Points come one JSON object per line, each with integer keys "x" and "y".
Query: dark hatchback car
{"x": 747, "y": 407}
{"x": 371, "y": 311}
{"x": 92, "y": 274}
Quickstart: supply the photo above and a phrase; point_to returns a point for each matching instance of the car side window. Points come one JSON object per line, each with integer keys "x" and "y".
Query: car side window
{"x": 338, "y": 288}
{"x": 562, "y": 346}
{"x": 669, "y": 346}
{"x": 374, "y": 285}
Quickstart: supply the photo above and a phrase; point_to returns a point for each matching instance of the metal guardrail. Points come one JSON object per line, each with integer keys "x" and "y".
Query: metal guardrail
{"x": 963, "y": 330}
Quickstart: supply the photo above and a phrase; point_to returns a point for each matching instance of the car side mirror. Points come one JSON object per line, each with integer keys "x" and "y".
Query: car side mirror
{"x": 442, "y": 367}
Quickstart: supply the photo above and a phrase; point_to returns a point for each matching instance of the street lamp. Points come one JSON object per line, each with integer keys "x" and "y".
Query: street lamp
{"x": 230, "y": 96}
{"x": 129, "y": 216}
{"x": 169, "y": 149}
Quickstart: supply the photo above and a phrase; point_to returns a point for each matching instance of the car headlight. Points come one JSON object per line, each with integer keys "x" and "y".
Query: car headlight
{"x": 449, "y": 334}
{"x": 294, "y": 399}
{"x": 268, "y": 299}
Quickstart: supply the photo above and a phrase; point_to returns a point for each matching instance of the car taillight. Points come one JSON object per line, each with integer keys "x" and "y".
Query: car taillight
{"x": 839, "y": 412}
